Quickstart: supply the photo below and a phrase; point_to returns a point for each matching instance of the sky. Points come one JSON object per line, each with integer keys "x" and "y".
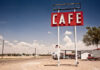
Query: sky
{"x": 28, "y": 22}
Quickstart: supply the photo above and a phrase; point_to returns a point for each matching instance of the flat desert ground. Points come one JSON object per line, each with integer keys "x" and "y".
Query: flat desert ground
{"x": 46, "y": 63}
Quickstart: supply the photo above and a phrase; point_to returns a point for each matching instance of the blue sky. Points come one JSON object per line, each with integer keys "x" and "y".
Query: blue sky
{"x": 28, "y": 20}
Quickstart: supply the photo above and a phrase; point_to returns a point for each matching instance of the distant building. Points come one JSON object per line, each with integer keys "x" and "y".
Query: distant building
{"x": 70, "y": 54}
{"x": 94, "y": 53}
{"x": 82, "y": 54}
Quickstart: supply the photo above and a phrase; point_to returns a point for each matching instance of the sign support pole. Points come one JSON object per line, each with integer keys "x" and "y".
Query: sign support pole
{"x": 58, "y": 45}
{"x": 75, "y": 38}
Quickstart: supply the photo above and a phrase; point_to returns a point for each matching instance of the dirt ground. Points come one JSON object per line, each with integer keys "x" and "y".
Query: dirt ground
{"x": 47, "y": 64}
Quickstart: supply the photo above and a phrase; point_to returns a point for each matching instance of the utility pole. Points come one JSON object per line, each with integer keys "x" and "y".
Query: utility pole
{"x": 2, "y": 49}
{"x": 35, "y": 51}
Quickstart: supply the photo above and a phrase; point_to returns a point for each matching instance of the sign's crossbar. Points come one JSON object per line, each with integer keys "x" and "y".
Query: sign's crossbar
{"x": 66, "y": 4}
{"x": 66, "y": 9}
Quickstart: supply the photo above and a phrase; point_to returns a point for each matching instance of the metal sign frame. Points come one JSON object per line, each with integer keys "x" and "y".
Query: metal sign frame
{"x": 75, "y": 31}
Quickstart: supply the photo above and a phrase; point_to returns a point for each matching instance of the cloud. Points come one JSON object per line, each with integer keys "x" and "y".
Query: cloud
{"x": 82, "y": 46}
{"x": 67, "y": 39}
{"x": 41, "y": 48}
{"x": 35, "y": 43}
{"x": 8, "y": 44}
{"x": 49, "y": 32}
{"x": 23, "y": 44}
{"x": 15, "y": 41}
{"x": 25, "y": 47}
{"x": 68, "y": 33}
{"x": 1, "y": 37}
{"x": 70, "y": 45}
